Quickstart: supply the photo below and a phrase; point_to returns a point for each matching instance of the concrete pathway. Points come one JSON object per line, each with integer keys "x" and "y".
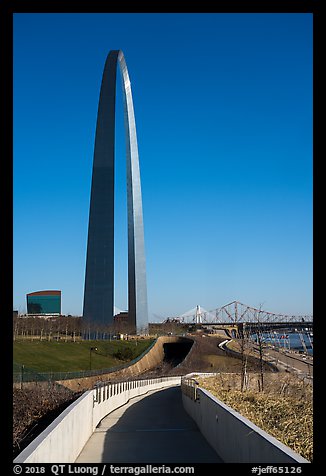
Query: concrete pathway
{"x": 153, "y": 428}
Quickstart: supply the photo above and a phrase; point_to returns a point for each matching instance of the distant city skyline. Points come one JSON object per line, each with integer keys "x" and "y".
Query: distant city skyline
{"x": 223, "y": 107}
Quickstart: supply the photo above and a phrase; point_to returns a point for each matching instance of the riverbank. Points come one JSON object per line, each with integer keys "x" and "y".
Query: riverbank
{"x": 282, "y": 359}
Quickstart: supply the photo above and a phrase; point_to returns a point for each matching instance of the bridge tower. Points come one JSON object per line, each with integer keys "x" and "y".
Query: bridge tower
{"x": 198, "y": 315}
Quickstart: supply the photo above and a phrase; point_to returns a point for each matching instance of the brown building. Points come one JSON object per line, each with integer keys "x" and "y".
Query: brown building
{"x": 123, "y": 324}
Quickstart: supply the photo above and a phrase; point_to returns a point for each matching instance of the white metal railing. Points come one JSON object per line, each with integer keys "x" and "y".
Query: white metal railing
{"x": 105, "y": 390}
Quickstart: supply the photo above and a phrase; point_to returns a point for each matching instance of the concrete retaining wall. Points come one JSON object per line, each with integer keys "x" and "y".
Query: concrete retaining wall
{"x": 233, "y": 437}
{"x": 150, "y": 360}
{"x": 66, "y": 436}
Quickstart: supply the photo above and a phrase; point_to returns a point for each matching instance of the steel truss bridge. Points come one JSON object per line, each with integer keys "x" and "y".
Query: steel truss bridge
{"x": 236, "y": 313}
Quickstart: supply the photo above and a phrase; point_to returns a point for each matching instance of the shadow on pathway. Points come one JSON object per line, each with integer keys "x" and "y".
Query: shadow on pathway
{"x": 154, "y": 429}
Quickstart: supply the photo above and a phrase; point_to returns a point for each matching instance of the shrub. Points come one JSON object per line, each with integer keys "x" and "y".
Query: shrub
{"x": 33, "y": 406}
{"x": 125, "y": 354}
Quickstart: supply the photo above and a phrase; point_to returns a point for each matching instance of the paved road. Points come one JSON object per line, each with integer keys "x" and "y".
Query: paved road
{"x": 299, "y": 362}
{"x": 149, "y": 429}
{"x": 295, "y": 360}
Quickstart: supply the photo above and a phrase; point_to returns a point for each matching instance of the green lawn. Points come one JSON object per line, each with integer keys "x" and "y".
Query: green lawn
{"x": 56, "y": 356}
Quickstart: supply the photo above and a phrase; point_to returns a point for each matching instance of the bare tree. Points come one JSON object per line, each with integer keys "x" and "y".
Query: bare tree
{"x": 16, "y": 326}
{"x": 260, "y": 340}
{"x": 244, "y": 350}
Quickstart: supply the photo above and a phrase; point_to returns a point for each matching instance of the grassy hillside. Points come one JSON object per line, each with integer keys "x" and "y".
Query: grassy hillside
{"x": 56, "y": 356}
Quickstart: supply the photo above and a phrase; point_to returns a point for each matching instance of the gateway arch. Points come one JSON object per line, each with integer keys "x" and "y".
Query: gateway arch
{"x": 99, "y": 275}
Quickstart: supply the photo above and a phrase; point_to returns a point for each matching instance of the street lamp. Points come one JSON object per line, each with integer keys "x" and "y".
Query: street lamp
{"x": 92, "y": 349}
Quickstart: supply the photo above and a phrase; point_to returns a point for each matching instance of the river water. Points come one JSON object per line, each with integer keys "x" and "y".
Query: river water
{"x": 299, "y": 341}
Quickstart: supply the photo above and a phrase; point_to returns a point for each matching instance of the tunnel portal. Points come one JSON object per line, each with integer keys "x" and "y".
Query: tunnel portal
{"x": 176, "y": 352}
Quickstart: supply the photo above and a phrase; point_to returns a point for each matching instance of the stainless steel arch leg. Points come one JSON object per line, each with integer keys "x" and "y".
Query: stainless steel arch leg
{"x": 99, "y": 275}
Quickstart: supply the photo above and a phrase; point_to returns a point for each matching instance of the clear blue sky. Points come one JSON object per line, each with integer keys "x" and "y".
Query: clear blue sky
{"x": 223, "y": 106}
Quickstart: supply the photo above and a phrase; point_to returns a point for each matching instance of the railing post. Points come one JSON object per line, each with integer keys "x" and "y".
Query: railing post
{"x": 189, "y": 388}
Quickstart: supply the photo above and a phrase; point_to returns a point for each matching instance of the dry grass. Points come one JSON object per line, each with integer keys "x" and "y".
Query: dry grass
{"x": 284, "y": 409}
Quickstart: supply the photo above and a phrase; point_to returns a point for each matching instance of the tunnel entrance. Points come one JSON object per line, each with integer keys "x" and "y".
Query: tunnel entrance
{"x": 175, "y": 352}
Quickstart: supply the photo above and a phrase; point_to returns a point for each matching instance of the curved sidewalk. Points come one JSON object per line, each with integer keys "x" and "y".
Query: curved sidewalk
{"x": 152, "y": 428}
